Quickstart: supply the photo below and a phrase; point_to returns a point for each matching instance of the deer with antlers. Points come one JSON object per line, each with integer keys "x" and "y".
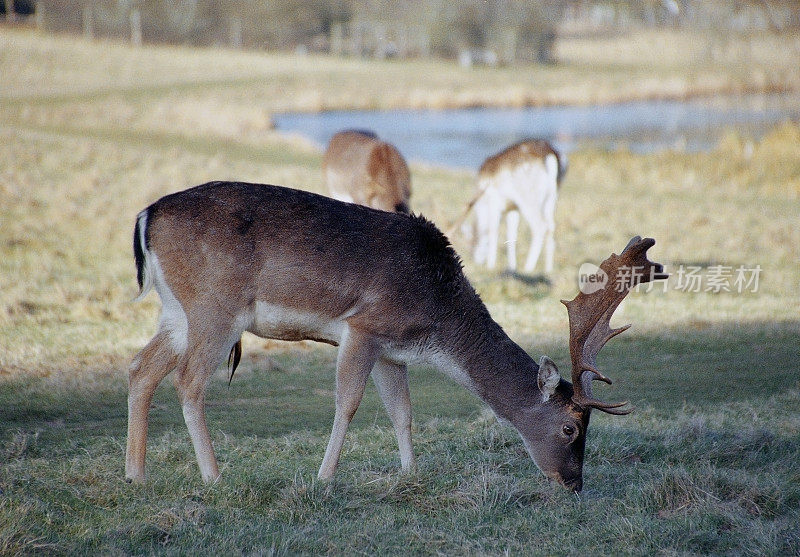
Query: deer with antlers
{"x": 360, "y": 168}
{"x": 387, "y": 288}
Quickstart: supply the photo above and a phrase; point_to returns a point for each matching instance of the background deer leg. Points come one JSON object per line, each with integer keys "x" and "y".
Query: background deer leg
{"x": 147, "y": 370}
{"x": 549, "y": 246}
{"x": 391, "y": 379}
{"x": 488, "y": 214}
{"x": 550, "y": 229}
{"x": 492, "y": 239}
{"x": 512, "y": 230}
{"x": 538, "y": 228}
{"x": 358, "y": 353}
{"x": 481, "y": 241}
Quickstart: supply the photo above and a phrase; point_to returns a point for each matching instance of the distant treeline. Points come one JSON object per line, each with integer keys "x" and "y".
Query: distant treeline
{"x": 476, "y": 31}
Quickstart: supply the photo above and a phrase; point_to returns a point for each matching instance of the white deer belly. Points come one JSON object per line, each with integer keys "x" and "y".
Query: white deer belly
{"x": 282, "y": 323}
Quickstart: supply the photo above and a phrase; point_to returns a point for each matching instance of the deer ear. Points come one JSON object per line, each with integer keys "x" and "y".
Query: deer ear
{"x": 548, "y": 377}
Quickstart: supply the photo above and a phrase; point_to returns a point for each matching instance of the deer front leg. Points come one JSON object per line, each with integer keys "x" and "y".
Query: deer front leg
{"x": 147, "y": 370}
{"x": 391, "y": 379}
{"x": 358, "y": 353}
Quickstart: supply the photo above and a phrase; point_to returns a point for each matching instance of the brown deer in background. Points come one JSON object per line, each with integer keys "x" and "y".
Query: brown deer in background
{"x": 360, "y": 168}
{"x": 387, "y": 288}
{"x": 521, "y": 180}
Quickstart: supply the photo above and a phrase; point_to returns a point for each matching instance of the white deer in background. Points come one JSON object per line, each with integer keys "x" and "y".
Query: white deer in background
{"x": 387, "y": 288}
{"x": 360, "y": 168}
{"x": 520, "y": 180}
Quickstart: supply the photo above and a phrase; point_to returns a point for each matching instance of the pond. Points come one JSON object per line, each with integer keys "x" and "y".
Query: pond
{"x": 463, "y": 138}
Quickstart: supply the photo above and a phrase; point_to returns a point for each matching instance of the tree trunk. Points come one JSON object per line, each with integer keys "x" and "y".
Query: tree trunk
{"x": 136, "y": 26}
{"x": 88, "y": 21}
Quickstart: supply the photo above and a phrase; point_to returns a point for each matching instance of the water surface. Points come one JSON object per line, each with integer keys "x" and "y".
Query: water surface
{"x": 463, "y": 138}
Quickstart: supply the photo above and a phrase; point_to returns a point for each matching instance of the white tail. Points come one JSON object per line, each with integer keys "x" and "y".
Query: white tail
{"x": 360, "y": 168}
{"x": 521, "y": 180}
{"x": 387, "y": 288}
{"x": 144, "y": 265}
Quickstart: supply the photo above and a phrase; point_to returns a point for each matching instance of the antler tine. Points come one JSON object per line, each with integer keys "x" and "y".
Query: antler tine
{"x": 590, "y": 318}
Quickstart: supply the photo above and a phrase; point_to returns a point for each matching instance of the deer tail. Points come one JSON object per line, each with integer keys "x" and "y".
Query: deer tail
{"x": 233, "y": 359}
{"x": 142, "y": 256}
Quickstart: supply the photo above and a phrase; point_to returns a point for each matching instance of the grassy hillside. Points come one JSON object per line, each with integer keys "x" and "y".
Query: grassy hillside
{"x": 91, "y": 133}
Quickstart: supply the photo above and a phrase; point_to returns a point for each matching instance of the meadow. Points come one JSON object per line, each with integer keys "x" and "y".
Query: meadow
{"x": 90, "y": 133}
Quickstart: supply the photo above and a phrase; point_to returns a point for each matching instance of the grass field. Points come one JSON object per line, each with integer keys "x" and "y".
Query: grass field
{"x": 91, "y": 133}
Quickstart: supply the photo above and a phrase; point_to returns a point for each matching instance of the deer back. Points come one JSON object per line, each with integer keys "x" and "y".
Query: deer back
{"x": 360, "y": 168}
{"x": 238, "y": 244}
{"x": 529, "y": 151}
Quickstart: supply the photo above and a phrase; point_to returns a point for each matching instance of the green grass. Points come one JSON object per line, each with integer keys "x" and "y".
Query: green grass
{"x": 703, "y": 481}
{"x": 707, "y": 463}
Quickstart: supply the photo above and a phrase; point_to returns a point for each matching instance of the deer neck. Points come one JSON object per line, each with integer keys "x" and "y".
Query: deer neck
{"x": 478, "y": 354}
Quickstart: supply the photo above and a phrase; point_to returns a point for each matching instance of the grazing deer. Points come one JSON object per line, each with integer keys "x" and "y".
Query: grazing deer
{"x": 522, "y": 179}
{"x": 387, "y": 288}
{"x": 360, "y": 168}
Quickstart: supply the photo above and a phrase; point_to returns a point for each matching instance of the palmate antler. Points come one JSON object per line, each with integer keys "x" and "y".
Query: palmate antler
{"x": 590, "y": 318}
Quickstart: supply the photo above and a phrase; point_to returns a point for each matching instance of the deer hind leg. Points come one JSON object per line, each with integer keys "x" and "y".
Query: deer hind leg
{"x": 549, "y": 247}
{"x": 391, "y": 379}
{"x": 147, "y": 370}
{"x": 549, "y": 234}
{"x": 537, "y": 240}
{"x": 488, "y": 216}
{"x": 358, "y": 353}
{"x": 193, "y": 371}
{"x": 480, "y": 238}
{"x": 512, "y": 229}
{"x": 538, "y": 229}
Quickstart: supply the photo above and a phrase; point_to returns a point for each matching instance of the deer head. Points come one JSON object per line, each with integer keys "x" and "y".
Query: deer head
{"x": 555, "y": 431}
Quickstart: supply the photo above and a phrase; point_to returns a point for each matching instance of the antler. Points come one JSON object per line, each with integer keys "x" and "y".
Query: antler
{"x": 590, "y": 318}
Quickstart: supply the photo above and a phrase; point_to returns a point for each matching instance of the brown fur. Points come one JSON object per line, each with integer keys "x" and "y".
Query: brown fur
{"x": 517, "y": 154}
{"x": 359, "y": 166}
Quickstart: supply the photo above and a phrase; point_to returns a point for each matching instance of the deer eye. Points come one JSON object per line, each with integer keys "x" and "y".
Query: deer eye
{"x": 568, "y": 430}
